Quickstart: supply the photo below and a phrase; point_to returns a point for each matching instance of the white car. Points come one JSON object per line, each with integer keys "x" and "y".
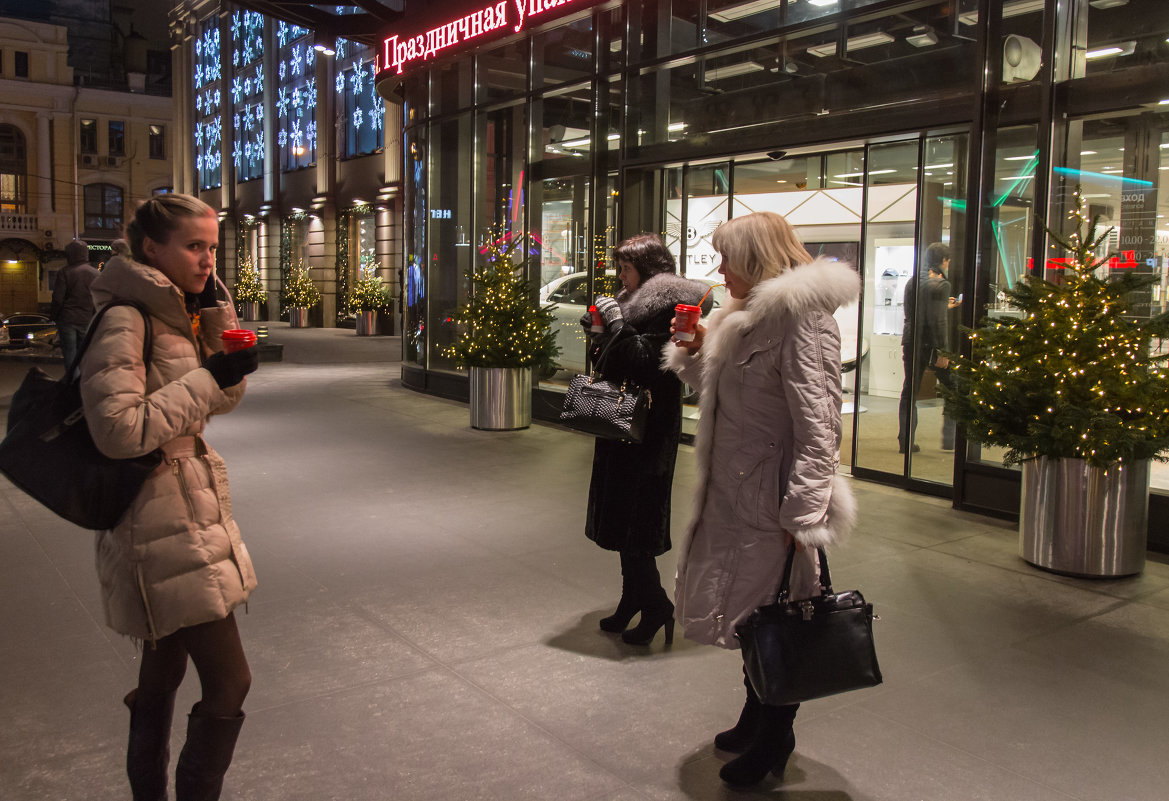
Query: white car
{"x": 571, "y": 296}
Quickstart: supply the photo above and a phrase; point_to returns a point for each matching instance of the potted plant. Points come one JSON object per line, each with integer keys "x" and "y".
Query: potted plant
{"x": 1069, "y": 384}
{"x": 249, "y": 290}
{"x": 300, "y": 295}
{"x": 368, "y": 296}
{"x": 507, "y": 335}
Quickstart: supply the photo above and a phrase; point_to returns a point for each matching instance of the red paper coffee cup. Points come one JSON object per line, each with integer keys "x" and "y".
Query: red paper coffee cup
{"x": 685, "y": 321}
{"x": 238, "y": 339}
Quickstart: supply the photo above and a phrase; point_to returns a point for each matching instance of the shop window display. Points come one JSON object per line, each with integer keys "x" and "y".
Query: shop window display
{"x": 247, "y": 94}
{"x": 296, "y": 97}
{"x": 208, "y": 84}
{"x": 361, "y": 110}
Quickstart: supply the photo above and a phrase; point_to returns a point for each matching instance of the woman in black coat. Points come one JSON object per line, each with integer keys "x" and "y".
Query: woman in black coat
{"x": 629, "y": 495}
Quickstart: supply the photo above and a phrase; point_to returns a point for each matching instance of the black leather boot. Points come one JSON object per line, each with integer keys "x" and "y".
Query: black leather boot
{"x": 736, "y": 740}
{"x": 630, "y": 603}
{"x": 768, "y": 752}
{"x": 206, "y": 756}
{"x": 148, "y": 751}
{"x": 656, "y": 608}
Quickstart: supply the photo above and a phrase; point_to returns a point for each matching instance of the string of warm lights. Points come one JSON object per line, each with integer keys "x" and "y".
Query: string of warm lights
{"x": 1076, "y": 374}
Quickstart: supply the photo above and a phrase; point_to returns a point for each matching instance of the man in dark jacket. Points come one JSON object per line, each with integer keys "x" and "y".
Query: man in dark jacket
{"x": 926, "y": 333}
{"x": 72, "y": 307}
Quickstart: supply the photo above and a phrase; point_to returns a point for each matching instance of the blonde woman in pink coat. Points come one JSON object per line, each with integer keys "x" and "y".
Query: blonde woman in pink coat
{"x": 768, "y": 366}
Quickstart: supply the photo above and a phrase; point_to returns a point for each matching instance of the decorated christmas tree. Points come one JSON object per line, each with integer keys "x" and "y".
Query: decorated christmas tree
{"x": 369, "y": 293}
{"x": 1073, "y": 373}
{"x": 248, "y": 288}
{"x": 503, "y": 326}
{"x": 301, "y": 292}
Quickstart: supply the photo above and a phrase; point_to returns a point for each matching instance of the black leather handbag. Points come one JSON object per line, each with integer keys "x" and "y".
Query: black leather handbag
{"x": 606, "y": 409}
{"x": 795, "y": 651}
{"x": 50, "y": 454}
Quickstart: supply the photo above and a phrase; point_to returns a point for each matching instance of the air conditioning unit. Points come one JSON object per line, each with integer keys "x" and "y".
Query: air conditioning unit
{"x": 114, "y": 161}
{"x": 88, "y": 161}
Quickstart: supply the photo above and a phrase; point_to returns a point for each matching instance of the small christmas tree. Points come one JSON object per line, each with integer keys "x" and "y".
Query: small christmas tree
{"x": 248, "y": 288}
{"x": 368, "y": 293}
{"x": 1074, "y": 374}
{"x": 504, "y": 326}
{"x": 301, "y": 292}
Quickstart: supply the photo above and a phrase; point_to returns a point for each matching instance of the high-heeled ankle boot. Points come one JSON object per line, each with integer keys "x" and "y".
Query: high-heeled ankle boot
{"x": 769, "y": 752}
{"x": 656, "y": 608}
{"x": 736, "y": 740}
{"x": 148, "y": 750}
{"x": 206, "y": 756}
{"x": 630, "y": 603}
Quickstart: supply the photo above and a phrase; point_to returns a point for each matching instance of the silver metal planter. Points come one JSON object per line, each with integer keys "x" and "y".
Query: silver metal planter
{"x": 297, "y": 317}
{"x": 251, "y": 311}
{"x": 501, "y": 398}
{"x": 1084, "y": 521}
{"x": 366, "y": 323}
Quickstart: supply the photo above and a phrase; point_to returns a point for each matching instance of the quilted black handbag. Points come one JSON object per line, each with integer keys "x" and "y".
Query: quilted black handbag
{"x": 795, "y": 651}
{"x": 606, "y": 409}
{"x": 50, "y": 454}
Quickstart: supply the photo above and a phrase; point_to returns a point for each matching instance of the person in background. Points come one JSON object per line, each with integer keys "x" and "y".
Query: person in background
{"x": 629, "y": 494}
{"x": 925, "y": 335}
{"x": 174, "y": 568}
{"x": 767, "y": 452}
{"x": 72, "y": 307}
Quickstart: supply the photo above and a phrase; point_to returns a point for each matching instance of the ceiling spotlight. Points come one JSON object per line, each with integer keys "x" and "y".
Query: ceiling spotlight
{"x": 922, "y": 36}
{"x": 1107, "y": 3}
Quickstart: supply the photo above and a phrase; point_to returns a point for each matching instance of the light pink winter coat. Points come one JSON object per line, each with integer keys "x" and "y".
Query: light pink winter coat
{"x": 767, "y": 447}
{"x": 176, "y": 558}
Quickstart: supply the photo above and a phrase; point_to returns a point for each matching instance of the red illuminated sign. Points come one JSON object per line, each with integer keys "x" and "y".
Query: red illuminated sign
{"x": 512, "y": 15}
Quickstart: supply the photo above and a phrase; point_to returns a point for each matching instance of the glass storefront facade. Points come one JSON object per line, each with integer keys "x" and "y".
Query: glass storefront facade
{"x": 877, "y": 128}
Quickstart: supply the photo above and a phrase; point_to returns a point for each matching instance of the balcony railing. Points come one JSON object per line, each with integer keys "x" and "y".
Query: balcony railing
{"x": 11, "y": 222}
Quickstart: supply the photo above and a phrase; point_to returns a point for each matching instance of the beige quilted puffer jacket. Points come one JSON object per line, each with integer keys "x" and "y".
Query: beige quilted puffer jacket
{"x": 176, "y": 558}
{"x": 767, "y": 447}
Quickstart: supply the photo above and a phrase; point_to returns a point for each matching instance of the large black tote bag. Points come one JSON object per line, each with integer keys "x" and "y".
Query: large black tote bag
{"x": 49, "y": 452}
{"x": 795, "y": 651}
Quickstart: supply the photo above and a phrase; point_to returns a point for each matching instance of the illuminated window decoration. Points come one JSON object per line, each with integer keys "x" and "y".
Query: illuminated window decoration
{"x": 208, "y": 128}
{"x": 247, "y": 94}
{"x": 361, "y": 111}
{"x": 296, "y": 98}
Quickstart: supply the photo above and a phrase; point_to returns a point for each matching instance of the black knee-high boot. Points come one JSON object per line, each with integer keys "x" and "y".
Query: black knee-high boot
{"x": 656, "y": 608}
{"x": 206, "y": 756}
{"x": 735, "y": 740}
{"x": 148, "y": 750}
{"x": 768, "y": 752}
{"x": 630, "y": 603}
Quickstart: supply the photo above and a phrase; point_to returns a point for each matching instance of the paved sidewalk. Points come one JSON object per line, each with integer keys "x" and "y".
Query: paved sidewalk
{"x": 426, "y": 630}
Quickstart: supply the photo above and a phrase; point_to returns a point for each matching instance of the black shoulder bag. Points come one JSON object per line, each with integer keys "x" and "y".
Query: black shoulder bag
{"x": 795, "y": 651}
{"x": 605, "y": 409}
{"x": 50, "y": 454}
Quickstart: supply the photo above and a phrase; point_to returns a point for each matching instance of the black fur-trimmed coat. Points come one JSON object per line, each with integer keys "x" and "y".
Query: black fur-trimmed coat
{"x": 629, "y": 495}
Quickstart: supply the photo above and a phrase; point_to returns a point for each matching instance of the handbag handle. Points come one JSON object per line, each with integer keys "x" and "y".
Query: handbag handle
{"x": 785, "y": 585}
{"x": 89, "y": 333}
{"x": 601, "y": 357}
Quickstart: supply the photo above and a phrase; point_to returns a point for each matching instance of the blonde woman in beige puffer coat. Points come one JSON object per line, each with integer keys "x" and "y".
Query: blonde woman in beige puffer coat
{"x": 768, "y": 366}
{"x": 174, "y": 567}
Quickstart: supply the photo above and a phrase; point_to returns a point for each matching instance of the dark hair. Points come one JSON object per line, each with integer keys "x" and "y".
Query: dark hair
{"x": 159, "y": 217}
{"x": 647, "y": 254}
{"x": 935, "y": 254}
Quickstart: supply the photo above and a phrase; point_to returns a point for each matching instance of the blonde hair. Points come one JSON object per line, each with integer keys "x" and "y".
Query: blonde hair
{"x": 758, "y": 246}
{"x": 159, "y": 217}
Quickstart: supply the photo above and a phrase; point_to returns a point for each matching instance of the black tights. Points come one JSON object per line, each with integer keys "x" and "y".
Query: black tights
{"x": 219, "y": 659}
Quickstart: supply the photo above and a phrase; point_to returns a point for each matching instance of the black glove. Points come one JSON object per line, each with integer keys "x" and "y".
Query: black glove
{"x": 610, "y": 313}
{"x": 207, "y": 299}
{"x": 228, "y": 369}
